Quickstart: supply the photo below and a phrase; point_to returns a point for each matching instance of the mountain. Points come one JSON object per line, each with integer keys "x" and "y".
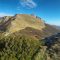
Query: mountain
{"x": 28, "y": 37}
{"x": 21, "y": 47}
{"x": 57, "y": 27}
{"x": 27, "y": 25}
{"x": 22, "y": 21}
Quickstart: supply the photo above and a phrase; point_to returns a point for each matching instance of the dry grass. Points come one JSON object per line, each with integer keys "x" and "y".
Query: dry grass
{"x": 23, "y": 21}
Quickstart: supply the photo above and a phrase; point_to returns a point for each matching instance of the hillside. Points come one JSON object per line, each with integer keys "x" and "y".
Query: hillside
{"x": 20, "y": 47}
{"x": 22, "y": 21}
{"x": 27, "y": 25}
{"x": 27, "y": 37}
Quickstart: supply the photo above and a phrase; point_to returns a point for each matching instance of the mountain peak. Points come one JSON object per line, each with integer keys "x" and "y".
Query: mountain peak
{"x": 22, "y": 21}
{"x": 26, "y": 24}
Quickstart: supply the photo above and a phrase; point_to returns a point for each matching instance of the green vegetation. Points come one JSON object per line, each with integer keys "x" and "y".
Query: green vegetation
{"x": 19, "y": 48}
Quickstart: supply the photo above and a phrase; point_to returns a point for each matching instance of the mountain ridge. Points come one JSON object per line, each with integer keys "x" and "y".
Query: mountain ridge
{"x": 29, "y": 43}
{"x": 21, "y": 21}
{"x": 27, "y": 24}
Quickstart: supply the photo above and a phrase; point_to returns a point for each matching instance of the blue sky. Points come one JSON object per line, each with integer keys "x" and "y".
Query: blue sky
{"x": 48, "y": 10}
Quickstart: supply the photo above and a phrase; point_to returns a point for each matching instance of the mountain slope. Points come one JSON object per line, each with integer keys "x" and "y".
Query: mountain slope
{"x": 23, "y": 21}
{"x": 20, "y": 21}
{"x": 20, "y": 47}
{"x": 26, "y": 37}
{"x": 27, "y": 25}
{"x": 35, "y": 33}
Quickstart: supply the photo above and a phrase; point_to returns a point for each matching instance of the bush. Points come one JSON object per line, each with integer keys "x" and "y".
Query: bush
{"x": 18, "y": 48}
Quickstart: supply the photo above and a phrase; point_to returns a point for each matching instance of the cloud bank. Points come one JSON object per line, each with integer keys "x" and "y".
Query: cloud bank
{"x": 28, "y": 3}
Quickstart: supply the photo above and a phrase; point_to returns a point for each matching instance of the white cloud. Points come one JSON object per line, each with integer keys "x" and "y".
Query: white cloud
{"x": 28, "y": 3}
{"x": 5, "y": 14}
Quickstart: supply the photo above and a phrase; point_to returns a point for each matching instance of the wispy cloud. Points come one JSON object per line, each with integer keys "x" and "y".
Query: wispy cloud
{"x": 5, "y": 14}
{"x": 28, "y": 3}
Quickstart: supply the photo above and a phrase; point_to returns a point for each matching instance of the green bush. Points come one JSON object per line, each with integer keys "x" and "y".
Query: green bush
{"x": 18, "y": 48}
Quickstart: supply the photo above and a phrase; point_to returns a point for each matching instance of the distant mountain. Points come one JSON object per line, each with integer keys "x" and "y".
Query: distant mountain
{"x": 57, "y": 27}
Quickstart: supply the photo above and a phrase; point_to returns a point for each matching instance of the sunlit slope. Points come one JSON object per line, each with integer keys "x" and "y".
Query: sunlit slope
{"x": 35, "y": 33}
{"x": 26, "y": 25}
{"x": 22, "y": 21}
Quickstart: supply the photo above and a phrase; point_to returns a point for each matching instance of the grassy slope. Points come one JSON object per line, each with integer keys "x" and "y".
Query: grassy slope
{"x": 18, "y": 48}
{"x": 35, "y": 33}
{"x": 28, "y": 25}
{"x": 22, "y": 21}
{"x": 21, "y": 47}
